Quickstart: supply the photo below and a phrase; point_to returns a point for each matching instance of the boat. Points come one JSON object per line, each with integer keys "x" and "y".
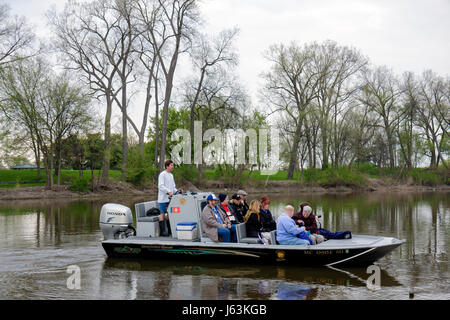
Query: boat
{"x": 189, "y": 242}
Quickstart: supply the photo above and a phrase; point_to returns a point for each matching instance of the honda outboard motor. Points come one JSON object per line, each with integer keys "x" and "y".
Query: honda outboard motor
{"x": 116, "y": 221}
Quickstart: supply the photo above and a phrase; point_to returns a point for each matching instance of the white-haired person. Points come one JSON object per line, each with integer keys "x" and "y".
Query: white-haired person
{"x": 309, "y": 221}
{"x": 287, "y": 230}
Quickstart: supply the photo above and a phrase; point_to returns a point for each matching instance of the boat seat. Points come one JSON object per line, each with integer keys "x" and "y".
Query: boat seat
{"x": 149, "y": 219}
{"x": 273, "y": 237}
{"x": 141, "y": 211}
{"x": 241, "y": 235}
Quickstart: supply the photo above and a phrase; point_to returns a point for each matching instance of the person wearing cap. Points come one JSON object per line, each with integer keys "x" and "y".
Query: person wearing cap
{"x": 243, "y": 196}
{"x": 215, "y": 223}
{"x": 236, "y": 208}
{"x": 224, "y": 207}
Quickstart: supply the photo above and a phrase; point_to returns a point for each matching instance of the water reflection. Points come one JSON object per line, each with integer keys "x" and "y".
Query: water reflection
{"x": 188, "y": 280}
{"x": 39, "y": 239}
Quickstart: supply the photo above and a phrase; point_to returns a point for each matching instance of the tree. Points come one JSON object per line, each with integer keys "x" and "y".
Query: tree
{"x": 15, "y": 37}
{"x": 381, "y": 93}
{"x": 48, "y": 107}
{"x": 291, "y": 87}
{"x": 86, "y": 37}
{"x": 336, "y": 68}
{"x": 174, "y": 26}
{"x": 208, "y": 57}
{"x": 433, "y": 115}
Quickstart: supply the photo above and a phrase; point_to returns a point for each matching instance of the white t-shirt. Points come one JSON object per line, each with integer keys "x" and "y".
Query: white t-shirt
{"x": 166, "y": 184}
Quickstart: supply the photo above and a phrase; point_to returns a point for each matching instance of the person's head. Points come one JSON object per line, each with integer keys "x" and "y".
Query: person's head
{"x": 254, "y": 207}
{"x": 306, "y": 211}
{"x": 236, "y": 199}
{"x": 169, "y": 165}
{"x": 289, "y": 210}
{"x": 302, "y": 205}
{"x": 223, "y": 198}
{"x": 242, "y": 194}
{"x": 212, "y": 200}
{"x": 265, "y": 202}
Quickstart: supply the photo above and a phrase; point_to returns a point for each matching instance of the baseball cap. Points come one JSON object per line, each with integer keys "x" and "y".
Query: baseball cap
{"x": 212, "y": 197}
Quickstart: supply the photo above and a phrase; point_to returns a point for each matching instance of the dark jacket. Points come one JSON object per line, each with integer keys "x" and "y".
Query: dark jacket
{"x": 253, "y": 226}
{"x": 237, "y": 211}
{"x": 309, "y": 223}
{"x": 268, "y": 224}
{"x": 222, "y": 208}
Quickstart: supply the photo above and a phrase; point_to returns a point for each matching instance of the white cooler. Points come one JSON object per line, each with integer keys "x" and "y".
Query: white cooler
{"x": 187, "y": 231}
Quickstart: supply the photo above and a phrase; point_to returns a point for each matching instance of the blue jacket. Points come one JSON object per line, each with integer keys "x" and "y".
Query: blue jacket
{"x": 286, "y": 228}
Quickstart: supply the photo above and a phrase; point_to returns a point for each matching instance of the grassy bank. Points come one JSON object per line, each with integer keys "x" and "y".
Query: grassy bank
{"x": 356, "y": 177}
{"x": 29, "y": 178}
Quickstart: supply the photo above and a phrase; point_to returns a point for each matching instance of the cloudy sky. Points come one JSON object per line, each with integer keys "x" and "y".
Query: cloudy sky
{"x": 406, "y": 35}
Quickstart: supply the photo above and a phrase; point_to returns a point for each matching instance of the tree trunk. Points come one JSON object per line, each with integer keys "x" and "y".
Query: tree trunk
{"x": 324, "y": 148}
{"x": 107, "y": 155}
{"x": 156, "y": 163}
{"x": 294, "y": 152}
{"x": 124, "y": 129}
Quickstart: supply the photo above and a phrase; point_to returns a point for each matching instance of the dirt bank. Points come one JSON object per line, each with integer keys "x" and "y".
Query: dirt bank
{"x": 120, "y": 189}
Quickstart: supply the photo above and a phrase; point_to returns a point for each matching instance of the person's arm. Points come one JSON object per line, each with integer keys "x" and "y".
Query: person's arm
{"x": 291, "y": 228}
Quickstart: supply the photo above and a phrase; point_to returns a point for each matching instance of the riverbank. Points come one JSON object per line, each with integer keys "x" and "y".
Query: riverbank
{"x": 122, "y": 189}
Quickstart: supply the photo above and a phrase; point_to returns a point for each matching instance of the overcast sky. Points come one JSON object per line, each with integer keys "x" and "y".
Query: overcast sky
{"x": 407, "y": 35}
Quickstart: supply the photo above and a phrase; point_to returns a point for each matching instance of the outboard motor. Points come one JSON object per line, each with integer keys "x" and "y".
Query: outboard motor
{"x": 116, "y": 221}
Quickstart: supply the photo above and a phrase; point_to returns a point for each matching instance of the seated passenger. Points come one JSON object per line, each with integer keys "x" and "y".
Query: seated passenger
{"x": 309, "y": 221}
{"x": 215, "y": 223}
{"x": 243, "y": 196}
{"x": 237, "y": 208}
{"x": 223, "y": 206}
{"x": 298, "y": 215}
{"x": 287, "y": 231}
{"x": 267, "y": 221}
{"x": 253, "y": 220}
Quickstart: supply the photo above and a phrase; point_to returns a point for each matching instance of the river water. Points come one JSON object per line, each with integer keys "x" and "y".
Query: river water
{"x": 39, "y": 240}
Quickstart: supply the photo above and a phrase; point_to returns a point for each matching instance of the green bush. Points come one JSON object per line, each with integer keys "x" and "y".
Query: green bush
{"x": 140, "y": 176}
{"x": 186, "y": 172}
{"x": 427, "y": 177}
{"x": 368, "y": 168}
{"x": 81, "y": 185}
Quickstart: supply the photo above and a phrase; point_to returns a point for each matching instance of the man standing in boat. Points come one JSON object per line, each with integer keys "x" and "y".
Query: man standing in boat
{"x": 166, "y": 189}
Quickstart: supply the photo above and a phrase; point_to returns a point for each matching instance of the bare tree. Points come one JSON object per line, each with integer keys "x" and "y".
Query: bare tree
{"x": 208, "y": 57}
{"x": 381, "y": 93}
{"x": 433, "y": 115}
{"x": 336, "y": 67}
{"x": 15, "y": 37}
{"x": 290, "y": 87}
{"x": 86, "y": 37}
{"x": 175, "y": 25}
